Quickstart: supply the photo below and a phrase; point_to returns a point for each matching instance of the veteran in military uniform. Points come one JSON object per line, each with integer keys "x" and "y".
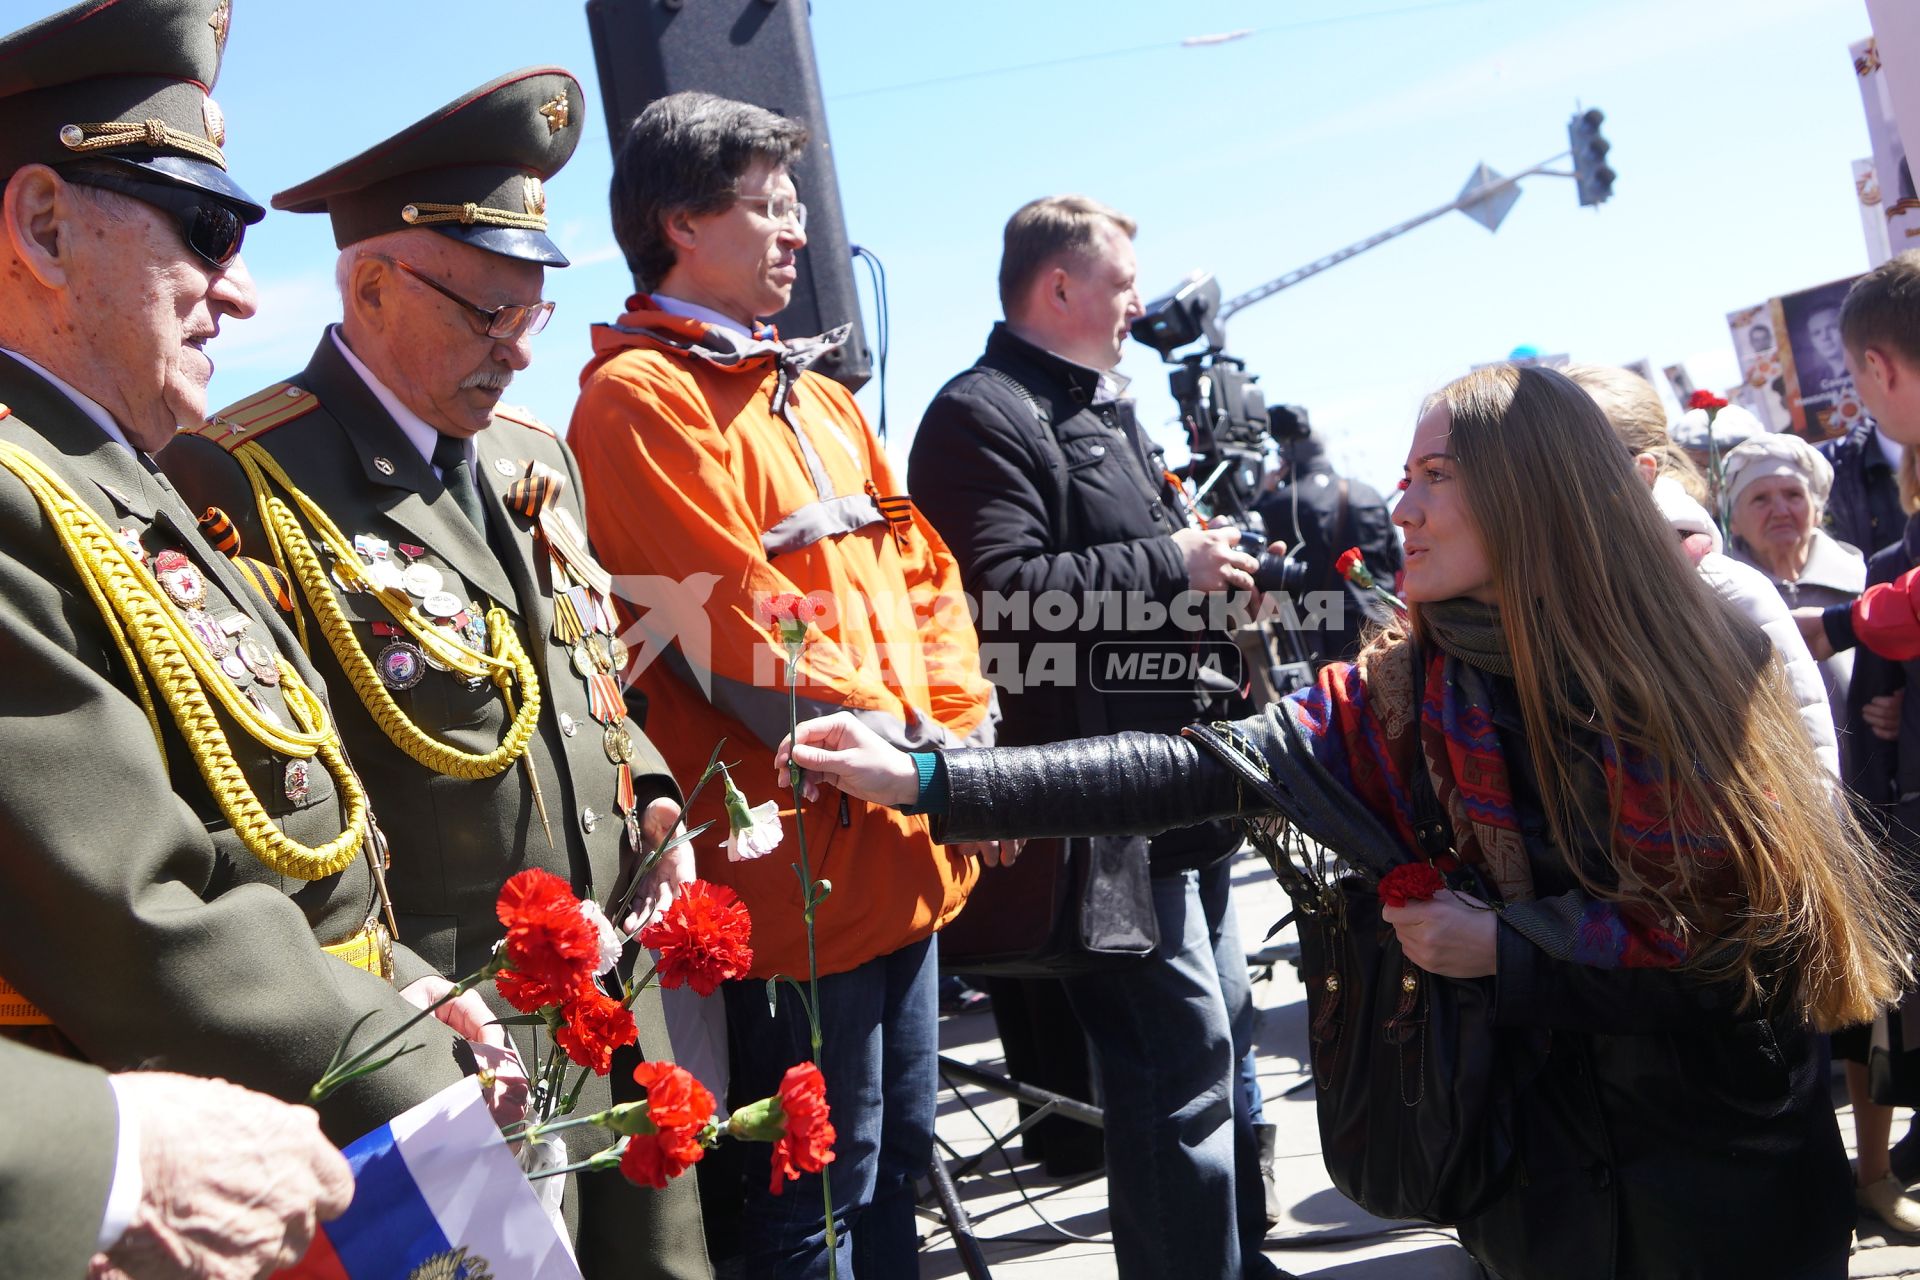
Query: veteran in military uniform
{"x": 181, "y": 826}
{"x": 435, "y": 539}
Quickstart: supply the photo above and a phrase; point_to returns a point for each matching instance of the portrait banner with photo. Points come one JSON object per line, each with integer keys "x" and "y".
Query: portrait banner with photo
{"x": 1820, "y": 392}
{"x": 1765, "y": 364}
{"x": 1898, "y": 200}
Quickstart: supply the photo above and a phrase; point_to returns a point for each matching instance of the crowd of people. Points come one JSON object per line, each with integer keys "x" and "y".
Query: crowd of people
{"x": 294, "y": 686}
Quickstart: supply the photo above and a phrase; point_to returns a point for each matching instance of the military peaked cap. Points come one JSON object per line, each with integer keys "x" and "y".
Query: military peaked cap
{"x": 125, "y": 81}
{"x": 473, "y": 170}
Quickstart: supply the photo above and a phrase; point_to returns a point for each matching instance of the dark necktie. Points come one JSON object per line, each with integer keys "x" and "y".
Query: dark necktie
{"x": 456, "y": 472}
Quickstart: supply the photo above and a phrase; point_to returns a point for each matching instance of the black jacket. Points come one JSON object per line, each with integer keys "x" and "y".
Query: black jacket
{"x": 1322, "y": 513}
{"x": 1864, "y": 507}
{"x": 1668, "y": 1136}
{"x": 1040, "y": 488}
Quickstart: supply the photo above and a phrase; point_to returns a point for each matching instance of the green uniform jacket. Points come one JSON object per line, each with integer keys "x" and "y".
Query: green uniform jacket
{"x": 455, "y": 841}
{"x": 130, "y": 913}
{"x": 58, "y": 1129}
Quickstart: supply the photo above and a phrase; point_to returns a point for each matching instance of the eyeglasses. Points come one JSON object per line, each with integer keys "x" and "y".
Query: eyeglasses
{"x": 777, "y": 206}
{"x": 211, "y": 227}
{"x": 502, "y": 323}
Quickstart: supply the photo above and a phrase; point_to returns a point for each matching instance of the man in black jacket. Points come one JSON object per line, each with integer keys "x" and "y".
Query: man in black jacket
{"x": 1095, "y": 590}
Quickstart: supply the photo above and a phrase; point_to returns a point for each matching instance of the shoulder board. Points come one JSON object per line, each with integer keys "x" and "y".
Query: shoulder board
{"x": 525, "y": 417}
{"x": 259, "y": 413}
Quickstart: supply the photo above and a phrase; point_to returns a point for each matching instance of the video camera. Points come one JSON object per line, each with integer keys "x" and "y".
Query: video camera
{"x": 1225, "y": 415}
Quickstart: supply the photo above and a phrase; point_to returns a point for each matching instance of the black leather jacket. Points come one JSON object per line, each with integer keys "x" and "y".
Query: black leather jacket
{"x": 1671, "y": 1136}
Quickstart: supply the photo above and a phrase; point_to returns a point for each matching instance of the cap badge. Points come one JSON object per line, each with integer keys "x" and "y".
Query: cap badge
{"x": 221, "y": 20}
{"x": 533, "y": 195}
{"x": 557, "y": 111}
{"x": 215, "y": 120}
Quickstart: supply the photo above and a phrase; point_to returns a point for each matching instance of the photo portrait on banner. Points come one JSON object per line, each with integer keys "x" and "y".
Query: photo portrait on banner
{"x": 1764, "y": 364}
{"x": 1820, "y": 392}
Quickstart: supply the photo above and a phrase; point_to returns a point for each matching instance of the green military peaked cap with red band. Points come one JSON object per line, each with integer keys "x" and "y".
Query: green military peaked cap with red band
{"x": 126, "y": 82}
{"x": 474, "y": 170}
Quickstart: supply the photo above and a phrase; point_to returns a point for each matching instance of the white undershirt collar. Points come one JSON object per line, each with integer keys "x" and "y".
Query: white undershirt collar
{"x": 85, "y": 403}
{"x": 419, "y": 433}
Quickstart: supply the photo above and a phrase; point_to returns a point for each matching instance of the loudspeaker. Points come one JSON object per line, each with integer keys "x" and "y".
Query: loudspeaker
{"x": 758, "y": 51}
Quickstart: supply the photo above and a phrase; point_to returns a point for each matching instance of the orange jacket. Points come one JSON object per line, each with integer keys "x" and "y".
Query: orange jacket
{"x": 705, "y": 504}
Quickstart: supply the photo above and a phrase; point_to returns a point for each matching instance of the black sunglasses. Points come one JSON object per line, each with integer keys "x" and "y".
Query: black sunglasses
{"x": 212, "y": 228}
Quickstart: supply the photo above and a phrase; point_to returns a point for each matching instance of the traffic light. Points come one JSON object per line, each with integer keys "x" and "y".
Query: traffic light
{"x": 1591, "y": 173}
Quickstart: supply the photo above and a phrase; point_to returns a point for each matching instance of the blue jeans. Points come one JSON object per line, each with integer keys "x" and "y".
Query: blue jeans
{"x": 879, "y": 1026}
{"x": 1183, "y": 1179}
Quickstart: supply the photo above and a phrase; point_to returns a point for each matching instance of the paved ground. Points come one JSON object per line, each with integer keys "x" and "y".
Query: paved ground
{"x": 1031, "y": 1226}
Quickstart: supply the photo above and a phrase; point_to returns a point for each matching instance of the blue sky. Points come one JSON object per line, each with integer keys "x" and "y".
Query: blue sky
{"x": 1733, "y": 123}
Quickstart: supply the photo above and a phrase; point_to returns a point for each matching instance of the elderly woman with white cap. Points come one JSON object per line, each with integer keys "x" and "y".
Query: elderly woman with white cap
{"x": 1776, "y": 487}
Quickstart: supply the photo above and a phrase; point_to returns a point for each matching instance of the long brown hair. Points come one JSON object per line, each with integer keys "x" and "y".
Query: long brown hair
{"x": 1610, "y": 628}
{"x": 1636, "y": 415}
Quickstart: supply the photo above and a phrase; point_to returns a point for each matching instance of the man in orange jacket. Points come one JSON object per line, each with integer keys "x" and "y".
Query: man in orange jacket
{"x": 719, "y": 470}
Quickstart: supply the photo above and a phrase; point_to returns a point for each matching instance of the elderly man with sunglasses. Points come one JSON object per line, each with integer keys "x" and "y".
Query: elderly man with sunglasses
{"x": 190, "y": 880}
{"x": 436, "y": 539}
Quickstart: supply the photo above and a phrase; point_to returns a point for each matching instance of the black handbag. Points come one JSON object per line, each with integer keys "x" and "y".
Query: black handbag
{"x": 1064, "y": 907}
{"x": 1414, "y": 1086}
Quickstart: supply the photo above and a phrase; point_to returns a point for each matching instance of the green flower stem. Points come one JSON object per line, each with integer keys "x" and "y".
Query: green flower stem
{"x": 339, "y": 1073}
{"x": 810, "y": 899}
{"x": 646, "y": 980}
{"x": 606, "y": 1159}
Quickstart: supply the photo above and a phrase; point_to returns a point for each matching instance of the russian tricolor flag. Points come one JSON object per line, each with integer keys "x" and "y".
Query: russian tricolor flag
{"x": 437, "y": 1194}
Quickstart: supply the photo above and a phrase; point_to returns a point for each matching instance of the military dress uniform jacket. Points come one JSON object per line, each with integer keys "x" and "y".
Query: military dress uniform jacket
{"x": 131, "y": 914}
{"x": 455, "y": 841}
{"x": 59, "y": 1133}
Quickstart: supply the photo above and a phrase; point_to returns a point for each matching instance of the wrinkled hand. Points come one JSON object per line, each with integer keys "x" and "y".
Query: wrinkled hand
{"x": 468, "y": 1017}
{"x": 1882, "y": 714}
{"x": 659, "y": 823}
{"x": 841, "y": 751}
{"x": 1814, "y": 632}
{"x": 992, "y": 853}
{"x": 235, "y": 1182}
{"x": 1451, "y": 934}
{"x": 1214, "y": 560}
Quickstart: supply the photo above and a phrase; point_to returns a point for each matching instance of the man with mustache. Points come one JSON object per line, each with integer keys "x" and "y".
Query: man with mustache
{"x": 437, "y": 546}
{"x": 191, "y": 878}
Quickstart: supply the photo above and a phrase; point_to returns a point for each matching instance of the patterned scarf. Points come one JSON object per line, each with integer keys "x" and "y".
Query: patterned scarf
{"x": 1361, "y": 724}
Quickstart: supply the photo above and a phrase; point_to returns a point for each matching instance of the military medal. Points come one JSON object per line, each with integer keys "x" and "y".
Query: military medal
{"x": 441, "y": 604}
{"x": 264, "y": 707}
{"x": 618, "y": 744}
{"x": 180, "y": 579}
{"x": 212, "y": 636}
{"x": 387, "y": 575}
{"x": 298, "y": 783}
{"x": 236, "y": 669}
{"x": 475, "y": 631}
{"x": 259, "y": 660}
{"x": 421, "y": 580}
{"x": 131, "y": 541}
{"x": 604, "y": 703}
{"x": 617, "y": 652}
{"x": 401, "y": 665}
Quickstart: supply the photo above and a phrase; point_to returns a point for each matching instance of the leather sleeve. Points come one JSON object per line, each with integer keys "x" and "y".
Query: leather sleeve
{"x": 1125, "y": 784}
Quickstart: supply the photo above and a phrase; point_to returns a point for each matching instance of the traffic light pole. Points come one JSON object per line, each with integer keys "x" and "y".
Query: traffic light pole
{"x": 1486, "y": 200}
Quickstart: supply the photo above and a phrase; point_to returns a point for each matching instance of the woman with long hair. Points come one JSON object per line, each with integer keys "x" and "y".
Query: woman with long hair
{"x": 1665, "y": 896}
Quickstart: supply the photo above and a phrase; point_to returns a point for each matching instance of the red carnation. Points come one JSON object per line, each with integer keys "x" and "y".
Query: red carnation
{"x": 1410, "y": 882}
{"x": 551, "y": 946}
{"x": 702, "y": 938}
{"x": 1353, "y": 567}
{"x": 679, "y": 1108}
{"x": 790, "y": 606}
{"x": 594, "y": 1027}
{"x": 1706, "y": 400}
{"x": 806, "y": 1146}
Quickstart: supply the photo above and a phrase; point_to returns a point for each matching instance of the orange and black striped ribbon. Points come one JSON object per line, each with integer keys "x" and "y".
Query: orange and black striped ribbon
{"x": 897, "y": 509}
{"x": 219, "y": 530}
{"x": 268, "y": 580}
{"x": 537, "y": 488}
